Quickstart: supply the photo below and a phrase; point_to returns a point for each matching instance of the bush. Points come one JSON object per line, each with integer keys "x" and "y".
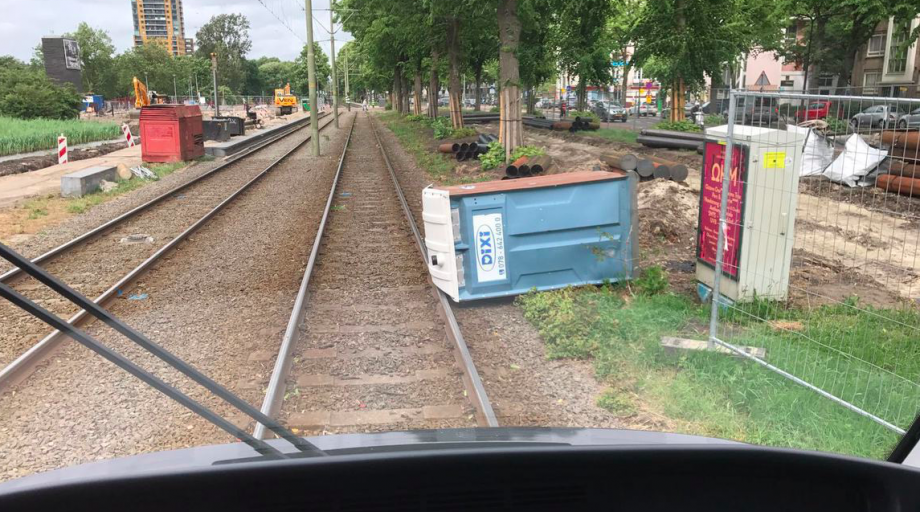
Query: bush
{"x": 526, "y": 151}
{"x": 565, "y": 327}
{"x": 441, "y": 128}
{"x": 653, "y": 281}
{"x": 714, "y": 120}
{"x": 460, "y": 133}
{"x": 836, "y": 125}
{"x": 417, "y": 118}
{"x": 572, "y": 114}
{"x": 494, "y": 157}
{"x": 388, "y": 106}
{"x": 678, "y": 126}
{"x": 29, "y": 94}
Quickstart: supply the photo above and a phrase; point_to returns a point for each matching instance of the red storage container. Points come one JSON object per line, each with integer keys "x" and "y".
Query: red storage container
{"x": 170, "y": 133}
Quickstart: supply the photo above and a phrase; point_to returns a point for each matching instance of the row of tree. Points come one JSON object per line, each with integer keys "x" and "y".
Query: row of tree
{"x": 110, "y": 74}
{"x": 399, "y": 44}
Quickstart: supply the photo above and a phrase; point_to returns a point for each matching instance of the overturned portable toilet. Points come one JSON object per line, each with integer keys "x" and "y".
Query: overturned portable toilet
{"x": 507, "y": 237}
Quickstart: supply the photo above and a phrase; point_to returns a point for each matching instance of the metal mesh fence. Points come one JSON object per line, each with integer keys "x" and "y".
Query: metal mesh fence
{"x": 817, "y": 216}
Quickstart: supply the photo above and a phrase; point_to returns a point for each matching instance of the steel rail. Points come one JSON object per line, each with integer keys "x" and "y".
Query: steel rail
{"x": 7, "y": 276}
{"x": 484, "y": 412}
{"x": 273, "y": 395}
{"x": 17, "y": 369}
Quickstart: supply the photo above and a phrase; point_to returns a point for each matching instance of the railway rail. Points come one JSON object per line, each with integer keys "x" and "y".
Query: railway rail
{"x": 125, "y": 247}
{"x": 396, "y": 366}
{"x": 364, "y": 353}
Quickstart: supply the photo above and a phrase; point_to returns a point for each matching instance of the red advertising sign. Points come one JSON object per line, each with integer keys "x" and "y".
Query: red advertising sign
{"x": 711, "y": 201}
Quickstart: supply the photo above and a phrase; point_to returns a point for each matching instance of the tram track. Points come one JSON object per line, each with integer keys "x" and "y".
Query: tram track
{"x": 125, "y": 247}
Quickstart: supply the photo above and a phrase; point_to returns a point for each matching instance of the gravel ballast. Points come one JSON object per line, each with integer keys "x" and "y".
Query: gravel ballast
{"x": 220, "y": 301}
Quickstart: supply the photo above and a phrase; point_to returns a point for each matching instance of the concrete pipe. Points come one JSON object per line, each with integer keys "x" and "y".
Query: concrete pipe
{"x": 645, "y": 168}
{"x": 447, "y": 147}
{"x": 909, "y": 140}
{"x": 904, "y": 186}
{"x": 904, "y": 169}
{"x": 624, "y": 161}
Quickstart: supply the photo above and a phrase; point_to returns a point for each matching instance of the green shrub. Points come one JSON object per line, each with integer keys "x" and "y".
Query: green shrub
{"x": 26, "y": 93}
{"x": 494, "y": 157}
{"x": 441, "y": 128}
{"x": 495, "y": 109}
{"x": 565, "y": 327}
{"x": 714, "y": 120}
{"x": 388, "y": 106}
{"x": 418, "y": 118}
{"x": 460, "y": 133}
{"x": 654, "y": 280}
{"x": 527, "y": 151}
{"x": 678, "y": 126}
{"x": 836, "y": 125}
{"x": 572, "y": 114}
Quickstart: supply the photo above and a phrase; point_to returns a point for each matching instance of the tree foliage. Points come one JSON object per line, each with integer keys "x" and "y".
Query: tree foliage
{"x": 27, "y": 93}
{"x": 96, "y": 58}
{"x": 227, "y": 35}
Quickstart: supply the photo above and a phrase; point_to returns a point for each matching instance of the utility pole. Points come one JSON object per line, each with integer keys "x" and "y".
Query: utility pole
{"x": 146, "y": 83}
{"x": 347, "y": 103}
{"x": 214, "y": 76}
{"x": 335, "y": 77}
{"x": 311, "y": 77}
{"x": 175, "y": 91}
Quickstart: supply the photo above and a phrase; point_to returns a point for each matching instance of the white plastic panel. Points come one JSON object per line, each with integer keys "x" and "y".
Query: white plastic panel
{"x": 439, "y": 239}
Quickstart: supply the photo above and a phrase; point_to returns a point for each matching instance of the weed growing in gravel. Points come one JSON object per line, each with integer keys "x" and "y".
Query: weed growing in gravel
{"x": 81, "y": 204}
{"x": 338, "y": 207}
{"x": 717, "y": 395}
{"x": 416, "y": 139}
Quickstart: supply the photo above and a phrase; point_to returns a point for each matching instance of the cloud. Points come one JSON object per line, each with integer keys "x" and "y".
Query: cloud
{"x": 23, "y": 28}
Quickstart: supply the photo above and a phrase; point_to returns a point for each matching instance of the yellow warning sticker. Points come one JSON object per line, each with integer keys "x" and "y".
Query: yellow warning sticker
{"x": 774, "y": 160}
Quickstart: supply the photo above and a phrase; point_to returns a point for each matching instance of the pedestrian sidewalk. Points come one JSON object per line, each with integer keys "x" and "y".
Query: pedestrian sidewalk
{"x": 16, "y": 188}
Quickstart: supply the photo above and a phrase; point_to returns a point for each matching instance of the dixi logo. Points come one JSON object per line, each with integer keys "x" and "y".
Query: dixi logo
{"x": 486, "y": 251}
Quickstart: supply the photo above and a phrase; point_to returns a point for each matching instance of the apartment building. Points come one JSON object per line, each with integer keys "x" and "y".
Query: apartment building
{"x": 161, "y": 22}
{"x": 884, "y": 67}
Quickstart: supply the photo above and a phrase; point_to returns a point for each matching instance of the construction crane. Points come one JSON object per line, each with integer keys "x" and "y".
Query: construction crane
{"x": 140, "y": 94}
{"x": 284, "y": 101}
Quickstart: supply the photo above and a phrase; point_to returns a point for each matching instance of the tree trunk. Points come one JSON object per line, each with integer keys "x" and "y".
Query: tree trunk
{"x": 509, "y": 33}
{"x": 433, "y": 86}
{"x": 818, "y": 42}
{"x": 417, "y": 109}
{"x": 532, "y": 101}
{"x": 478, "y": 92}
{"x": 454, "y": 87}
{"x": 677, "y": 102}
{"x": 582, "y": 94}
{"x": 624, "y": 87}
{"x": 397, "y": 90}
{"x": 405, "y": 94}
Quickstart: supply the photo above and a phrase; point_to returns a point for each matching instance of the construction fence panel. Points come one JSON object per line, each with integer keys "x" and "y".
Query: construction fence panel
{"x": 818, "y": 277}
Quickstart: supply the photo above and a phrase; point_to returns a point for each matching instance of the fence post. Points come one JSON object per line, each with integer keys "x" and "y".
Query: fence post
{"x": 723, "y": 208}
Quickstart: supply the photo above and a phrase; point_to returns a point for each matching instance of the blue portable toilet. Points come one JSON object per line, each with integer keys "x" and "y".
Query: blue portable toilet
{"x": 93, "y": 100}
{"x": 507, "y": 237}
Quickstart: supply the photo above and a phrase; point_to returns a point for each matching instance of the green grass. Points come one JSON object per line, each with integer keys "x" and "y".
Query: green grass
{"x": 81, "y": 204}
{"x": 723, "y": 396}
{"x": 614, "y": 135}
{"x": 21, "y": 136}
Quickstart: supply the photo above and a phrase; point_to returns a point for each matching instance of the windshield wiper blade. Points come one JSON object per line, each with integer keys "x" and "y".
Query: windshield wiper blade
{"x": 172, "y": 360}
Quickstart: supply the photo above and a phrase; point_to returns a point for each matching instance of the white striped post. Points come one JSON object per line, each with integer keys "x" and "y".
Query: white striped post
{"x": 62, "y": 149}
{"x": 129, "y": 140}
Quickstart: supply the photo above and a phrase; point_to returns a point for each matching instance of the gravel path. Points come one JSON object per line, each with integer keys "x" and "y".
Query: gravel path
{"x": 372, "y": 353}
{"x": 96, "y": 265}
{"x": 524, "y": 387}
{"x": 220, "y": 301}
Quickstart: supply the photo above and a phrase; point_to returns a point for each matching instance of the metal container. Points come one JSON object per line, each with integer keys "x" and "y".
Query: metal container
{"x": 216, "y": 129}
{"x": 501, "y": 238}
{"x": 170, "y": 133}
{"x": 235, "y": 125}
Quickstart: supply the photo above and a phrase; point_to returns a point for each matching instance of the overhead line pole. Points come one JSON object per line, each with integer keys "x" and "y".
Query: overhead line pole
{"x": 347, "y": 103}
{"x": 335, "y": 77}
{"x": 311, "y": 77}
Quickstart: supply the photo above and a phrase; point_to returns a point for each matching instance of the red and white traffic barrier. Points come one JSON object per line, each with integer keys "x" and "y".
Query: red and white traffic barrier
{"x": 62, "y": 149}
{"x": 129, "y": 139}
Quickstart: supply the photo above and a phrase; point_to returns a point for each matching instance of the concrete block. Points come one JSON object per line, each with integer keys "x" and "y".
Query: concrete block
{"x": 80, "y": 183}
{"x": 673, "y": 345}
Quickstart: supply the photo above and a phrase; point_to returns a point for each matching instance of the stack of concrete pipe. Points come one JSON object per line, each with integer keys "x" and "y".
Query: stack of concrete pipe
{"x": 647, "y": 167}
{"x": 904, "y": 170}
{"x": 671, "y": 139}
{"x": 528, "y": 166}
{"x": 464, "y": 151}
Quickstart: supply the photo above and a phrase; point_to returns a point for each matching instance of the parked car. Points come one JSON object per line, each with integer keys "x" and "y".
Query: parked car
{"x": 759, "y": 112}
{"x": 815, "y": 110}
{"x": 641, "y": 109}
{"x": 876, "y": 116}
{"x": 910, "y": 120}
{"x": 443, "y": 102}
{"x": 610, "y": 112}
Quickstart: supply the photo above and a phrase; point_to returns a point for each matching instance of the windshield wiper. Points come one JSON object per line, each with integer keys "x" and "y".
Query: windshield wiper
{"x": 172, "y": 360}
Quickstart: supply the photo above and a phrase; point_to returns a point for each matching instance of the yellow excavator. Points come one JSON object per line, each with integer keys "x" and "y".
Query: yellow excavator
{"x": 284, "y": 101}
{"x": 141, "y": 99}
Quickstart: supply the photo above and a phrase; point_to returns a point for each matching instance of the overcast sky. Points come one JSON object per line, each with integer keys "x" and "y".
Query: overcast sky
{"x": 24, "y": 22}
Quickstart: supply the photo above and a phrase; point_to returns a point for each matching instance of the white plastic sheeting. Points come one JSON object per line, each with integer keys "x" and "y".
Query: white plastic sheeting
{"x": 818, "y": 152}
{"x": 856, "y": 161}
